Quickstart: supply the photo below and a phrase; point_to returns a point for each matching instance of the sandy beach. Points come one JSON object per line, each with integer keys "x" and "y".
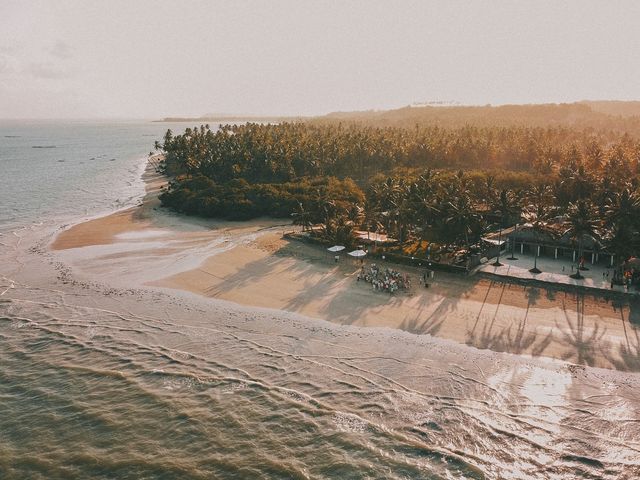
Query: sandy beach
{"x": 250, "y": 263}
{"x": 235, "y": 331}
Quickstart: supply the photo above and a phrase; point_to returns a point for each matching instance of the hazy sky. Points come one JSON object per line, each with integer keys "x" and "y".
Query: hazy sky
{"x": 157, "y": 58}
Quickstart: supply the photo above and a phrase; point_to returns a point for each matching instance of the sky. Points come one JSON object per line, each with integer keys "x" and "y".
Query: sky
{"x": 157, "y": 58}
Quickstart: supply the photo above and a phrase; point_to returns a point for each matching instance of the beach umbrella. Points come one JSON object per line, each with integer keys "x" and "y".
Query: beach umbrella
{"x": 358, "y": 253}
{"x": 336, "y": 248}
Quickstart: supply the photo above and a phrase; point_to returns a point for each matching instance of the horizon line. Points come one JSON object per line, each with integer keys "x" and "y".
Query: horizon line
{"x": 421, "y": 104}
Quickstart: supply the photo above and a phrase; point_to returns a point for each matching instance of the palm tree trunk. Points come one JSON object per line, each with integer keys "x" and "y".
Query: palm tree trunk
{"x": 578, "y": 274}
{"x": 497, "y": 262}
{"x": 535, "y": 268}
{"x": 513, "y": 244}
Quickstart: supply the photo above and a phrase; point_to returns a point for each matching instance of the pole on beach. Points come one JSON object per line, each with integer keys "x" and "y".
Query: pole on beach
{"x": 513, "y": 244}
{"x": 497, "y": 262}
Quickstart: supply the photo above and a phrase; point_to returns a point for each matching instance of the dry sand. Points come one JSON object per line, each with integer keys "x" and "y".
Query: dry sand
{"x": 276, "y": 273}
{"x": 262, "y": 269}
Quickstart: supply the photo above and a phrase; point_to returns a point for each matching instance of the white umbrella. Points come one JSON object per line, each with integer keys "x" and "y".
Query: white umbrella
{"x": 336, "y": 248}
{"x": 358, "y": 253}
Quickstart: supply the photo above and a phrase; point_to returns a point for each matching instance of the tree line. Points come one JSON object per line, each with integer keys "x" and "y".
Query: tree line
{"x": 443, "y": 185}
{"x": 265, "y": 153}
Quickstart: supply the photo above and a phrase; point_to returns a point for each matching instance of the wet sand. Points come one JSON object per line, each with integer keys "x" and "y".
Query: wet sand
{"x": 103, "y": 230}
{"x": 250, "y": 263}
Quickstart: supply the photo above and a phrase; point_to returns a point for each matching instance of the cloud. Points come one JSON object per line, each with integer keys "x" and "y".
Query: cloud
{"x": 47, "y": 70}
{"x": 4, "y": 65}
{"x": 8, "y": 49}
{"x": 8, "y": 64}
{"x": 61, "y": 50}
{"x": 55, "y": 64}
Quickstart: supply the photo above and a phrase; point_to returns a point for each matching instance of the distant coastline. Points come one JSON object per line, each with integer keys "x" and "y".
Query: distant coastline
{"x": 228, "y": 118}
{"x": 621, "y": 114}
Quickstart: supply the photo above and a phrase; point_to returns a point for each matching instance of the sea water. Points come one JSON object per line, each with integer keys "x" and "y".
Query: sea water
{"x": 98, "y": 382}
{"x": 55, "y": 170}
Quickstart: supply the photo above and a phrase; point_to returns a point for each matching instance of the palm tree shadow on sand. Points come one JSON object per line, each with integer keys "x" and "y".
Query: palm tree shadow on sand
{"x": 583, "y": 345}
{"x": 433, "y": 323}
{"x": 628, "y": 350}
{"x": 514, "y": 338}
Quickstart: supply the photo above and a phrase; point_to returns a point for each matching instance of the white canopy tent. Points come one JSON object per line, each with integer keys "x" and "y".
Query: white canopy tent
{"x": 494, "y": 241}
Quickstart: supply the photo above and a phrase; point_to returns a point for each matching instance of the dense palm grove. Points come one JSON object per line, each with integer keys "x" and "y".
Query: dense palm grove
{"x": 420, "y": 185}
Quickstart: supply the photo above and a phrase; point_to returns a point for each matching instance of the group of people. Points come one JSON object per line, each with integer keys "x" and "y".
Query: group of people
{"x": 631, "y": 277}
{"x": 384, "y": 281}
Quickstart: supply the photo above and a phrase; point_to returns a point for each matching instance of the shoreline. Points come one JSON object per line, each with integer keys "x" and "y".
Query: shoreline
{"x": 93, "y": 347}
{"x": 102, "y": 230}
{"x": 249, "y": 263}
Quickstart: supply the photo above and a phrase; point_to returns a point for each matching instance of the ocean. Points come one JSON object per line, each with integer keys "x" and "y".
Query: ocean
{"x": 104, "y": 382}
{"x": 57, "y": 171}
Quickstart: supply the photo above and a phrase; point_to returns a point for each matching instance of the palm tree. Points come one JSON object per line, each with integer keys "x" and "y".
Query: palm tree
{"x": 385, "y": 198}
{"x": 490, "y": 186}
{"x": 576, "y": 182}
{"x": 582, "y": 222}
{"x": 622, "y": 208}
{"x": 302, "y": 216}
{"x": 620, "y": 242}
{"x": 462, "y": 220}
{"x": 621, "y": 211}
{"x": 341, "y": 230}
{"x": 506, "y": 205}
{"x": 538, "y": 221}
{"x": 329, "y": 211}
{"x": 425, "y": 215}
{"x": 372, "y": 218}
{"x": 355, "y": 214}
{"x": 537, "y": 213}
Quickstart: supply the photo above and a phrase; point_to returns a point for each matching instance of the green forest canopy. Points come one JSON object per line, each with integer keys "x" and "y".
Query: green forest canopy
{"x": 441, "y": 173}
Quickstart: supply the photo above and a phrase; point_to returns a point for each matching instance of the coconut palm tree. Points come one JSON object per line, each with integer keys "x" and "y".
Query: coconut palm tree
{"x": 386, "y": 198}
{"x": 622, "y": 208}
{"x": 537, "y": 213}
{"x": 621, "y": 212}
{"x": 340, "y": 230}
{"x": 537, "y": 219}
{"x": 490, "y": 188}
{"x": 372, "y": 218}
{"x": 582, "y": 222}
{"x": 356, "y": 214}
{"x": 507, "y": 204}
{"x": 302, "y": 216}
{"x": 576, "y": 183}
{"x": 461, "y": 219}
{"x": 620, "y": 242}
